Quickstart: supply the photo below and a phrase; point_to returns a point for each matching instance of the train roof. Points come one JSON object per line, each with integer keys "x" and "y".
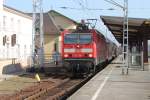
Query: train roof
{"x": 89, "y": 30}
{"x": 107, "y": 39}
{"x": 100, "y": 33}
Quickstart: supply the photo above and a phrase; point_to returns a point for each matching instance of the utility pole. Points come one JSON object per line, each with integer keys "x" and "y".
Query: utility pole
{"x": 37, "y": 31}
{"x": 125, "y": 50}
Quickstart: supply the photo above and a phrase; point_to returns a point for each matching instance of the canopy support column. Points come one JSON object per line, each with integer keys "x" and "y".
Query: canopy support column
{"x": 145, "y": 47}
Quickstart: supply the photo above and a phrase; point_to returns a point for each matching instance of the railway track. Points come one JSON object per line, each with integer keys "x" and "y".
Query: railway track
{"x": 37, "y": 89}
{"x": 56, "y": 87}
{"x": 64, "y": 90}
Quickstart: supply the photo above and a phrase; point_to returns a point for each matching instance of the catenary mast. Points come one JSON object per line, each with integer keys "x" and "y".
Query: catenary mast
{"x": 37, "y": 32}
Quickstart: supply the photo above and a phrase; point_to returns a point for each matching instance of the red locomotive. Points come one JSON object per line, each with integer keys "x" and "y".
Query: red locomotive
{"x": 83, "y": 49}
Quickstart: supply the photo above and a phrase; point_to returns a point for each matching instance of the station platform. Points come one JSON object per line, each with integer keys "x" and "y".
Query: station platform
{"x": 110, "y": 84}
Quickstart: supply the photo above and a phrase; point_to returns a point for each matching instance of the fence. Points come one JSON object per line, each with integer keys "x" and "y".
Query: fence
{"x": 136, "y": 60}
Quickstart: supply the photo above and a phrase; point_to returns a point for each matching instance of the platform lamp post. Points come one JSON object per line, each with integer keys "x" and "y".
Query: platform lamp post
{"x": 125, "y": 50}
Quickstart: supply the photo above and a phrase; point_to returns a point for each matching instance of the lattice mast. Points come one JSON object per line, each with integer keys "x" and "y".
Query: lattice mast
{"x": 125, "y": 40}
{"x": 37, "y": 31}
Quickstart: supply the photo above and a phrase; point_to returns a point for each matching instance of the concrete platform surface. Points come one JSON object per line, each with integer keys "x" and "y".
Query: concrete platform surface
{"x": 110, "y": 84}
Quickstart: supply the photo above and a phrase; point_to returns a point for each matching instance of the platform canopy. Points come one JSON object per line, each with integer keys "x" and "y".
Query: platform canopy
{"x": 138, "y": 27}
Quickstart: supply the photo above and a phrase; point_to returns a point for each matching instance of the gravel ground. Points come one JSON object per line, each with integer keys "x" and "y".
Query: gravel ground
{"x": 13, "y": 84}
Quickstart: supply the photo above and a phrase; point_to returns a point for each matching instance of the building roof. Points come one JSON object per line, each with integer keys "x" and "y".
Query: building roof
{"x": 137, "y": 27}
{"x": 15, "y": 11}
{"x": 49, "y": 27}
{"x": 60, "y": 21}
{"x": 56, "y": 14}
{"x": 54, "y": 22}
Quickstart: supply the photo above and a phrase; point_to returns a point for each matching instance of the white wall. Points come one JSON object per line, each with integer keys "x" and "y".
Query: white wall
{"x": 1, "y": 4}
{"x": 22, "y": 27}
{"x": 1, "y": 24}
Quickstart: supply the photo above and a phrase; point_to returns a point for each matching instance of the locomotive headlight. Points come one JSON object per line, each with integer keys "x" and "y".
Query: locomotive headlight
{"x": 90, "y": 55}
{"x": 78, "y": 46}
{"x": 66, "y": 55}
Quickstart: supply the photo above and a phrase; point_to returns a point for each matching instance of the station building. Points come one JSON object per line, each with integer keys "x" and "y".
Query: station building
{"x": 16, "y": 36}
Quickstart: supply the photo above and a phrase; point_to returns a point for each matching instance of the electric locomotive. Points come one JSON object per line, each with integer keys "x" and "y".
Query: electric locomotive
{"x": 83, "y": 49}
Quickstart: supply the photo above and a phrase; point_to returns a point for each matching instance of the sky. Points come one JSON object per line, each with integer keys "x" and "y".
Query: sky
{"x": 137, "y": 9}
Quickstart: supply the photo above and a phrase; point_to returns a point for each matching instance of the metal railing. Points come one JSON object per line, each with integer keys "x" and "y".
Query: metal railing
{"x": 136, "y": 60}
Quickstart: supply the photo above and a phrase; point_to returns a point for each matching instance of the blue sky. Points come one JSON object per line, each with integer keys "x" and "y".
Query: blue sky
{"x": 137, "y": 9}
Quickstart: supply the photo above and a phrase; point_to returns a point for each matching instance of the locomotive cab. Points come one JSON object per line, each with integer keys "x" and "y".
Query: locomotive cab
{"x": 78, "y": 51}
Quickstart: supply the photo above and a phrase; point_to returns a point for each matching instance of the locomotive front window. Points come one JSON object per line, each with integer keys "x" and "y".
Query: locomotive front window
{"x": 85, "y": 38}
{"x": 71, "y": 38}
{"x": 82, "y": 38}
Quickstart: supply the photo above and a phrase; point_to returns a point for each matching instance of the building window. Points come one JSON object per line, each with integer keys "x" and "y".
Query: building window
{"x": 4, "y": 22}
{"x": 19, "y": 26}
{"x": 4, "y": 40}
{"x": 13, "y": 40}
{"x": 12, "y": 24}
